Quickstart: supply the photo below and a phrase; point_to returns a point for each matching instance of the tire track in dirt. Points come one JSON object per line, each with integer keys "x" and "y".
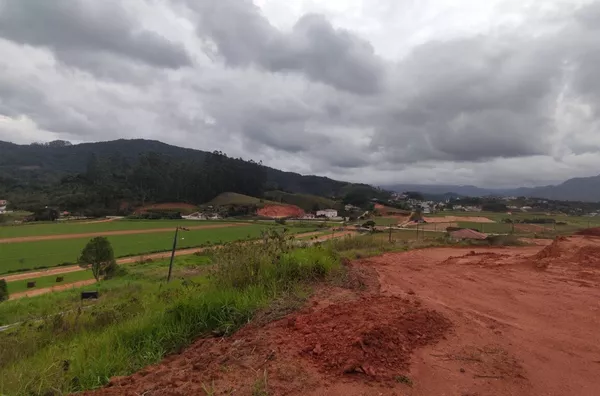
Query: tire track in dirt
{"x": 128, "y": 260}
{"x": 111, "y": 233}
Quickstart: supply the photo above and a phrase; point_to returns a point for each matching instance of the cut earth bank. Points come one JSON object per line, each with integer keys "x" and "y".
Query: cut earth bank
{"x": 440, "y": 321}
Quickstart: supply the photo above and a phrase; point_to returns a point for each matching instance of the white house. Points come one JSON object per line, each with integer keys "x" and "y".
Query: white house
{"x": 3, "y": 204}
{"x": 329, "y": 213}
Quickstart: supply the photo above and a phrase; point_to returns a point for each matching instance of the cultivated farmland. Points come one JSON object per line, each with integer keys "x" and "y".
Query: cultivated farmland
{"x": 43, "y": 254}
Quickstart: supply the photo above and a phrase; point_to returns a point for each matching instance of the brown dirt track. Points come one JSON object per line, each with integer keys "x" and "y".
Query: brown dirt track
{"x": 109, "y": 233}
{"x": 441, "y": 321}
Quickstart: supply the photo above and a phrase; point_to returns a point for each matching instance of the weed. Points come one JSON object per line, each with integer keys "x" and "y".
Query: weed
{"x": 403, "y": 379}
{"x": 260, "y": 386}
{"x": 209, "y": 390}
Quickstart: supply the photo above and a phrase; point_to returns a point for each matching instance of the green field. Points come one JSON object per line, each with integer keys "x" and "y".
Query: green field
{"x": 305, "y": 201}
{"x": 139, "y": 319}
{"x": 25, "y": 230}
{"x": 230, "y": 198}
{"x": 48, "y": 281}
{"x": 42, "y": 254}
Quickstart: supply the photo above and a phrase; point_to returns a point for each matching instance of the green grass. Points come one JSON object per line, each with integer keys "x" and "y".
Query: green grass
{"x": 137, "y": 320}
{"x": 43, "y": 254}
{"x": 49, "y": 281}
{"x": 385, "y": 221}
{"x": 305, "y": 201}
{"x": 230, "y": 198}
{"x": 32, "y": 229}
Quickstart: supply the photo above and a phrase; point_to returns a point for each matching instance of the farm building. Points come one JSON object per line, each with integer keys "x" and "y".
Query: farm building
{"x": 329, "y": 213}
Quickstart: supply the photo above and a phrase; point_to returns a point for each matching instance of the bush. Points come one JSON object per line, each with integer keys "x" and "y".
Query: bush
{"x": 99, "y": 254}
{"x": 275, "y": 262}
{"x": 369, "y": 224}
{"x": 3, "y": 290}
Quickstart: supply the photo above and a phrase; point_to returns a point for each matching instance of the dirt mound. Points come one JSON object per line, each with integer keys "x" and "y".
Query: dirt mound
{"x": 280, "y": 211}
{"x": 373, "y": 336}
{"x": 590, "y": 232}
{"x": 569, "y": 251}
{"x": 482, "y": 259}
{"x": 588, "y": 256}
{"x": 555, "y": 250}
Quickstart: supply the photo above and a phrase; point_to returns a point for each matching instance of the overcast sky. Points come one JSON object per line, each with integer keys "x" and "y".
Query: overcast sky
{"x": 494, "y": 93}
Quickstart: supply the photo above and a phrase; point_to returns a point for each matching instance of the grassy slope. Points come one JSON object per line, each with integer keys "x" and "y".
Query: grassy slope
{"x": 138, "y": 320}
{"x": 31, "y": 255}
{"x": 48, "y": 281}
{"x": 304, "y": 201}
{"x": 230, "y": 198}
{"x": 25, "y": 230}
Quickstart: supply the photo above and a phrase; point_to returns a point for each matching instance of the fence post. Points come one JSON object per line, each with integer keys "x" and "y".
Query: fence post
{"x": 172, "y": 254}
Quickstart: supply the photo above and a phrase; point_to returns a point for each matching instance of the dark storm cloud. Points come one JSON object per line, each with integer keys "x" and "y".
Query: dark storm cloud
{"x": 76, "y": 29}
{"x": 471, "y": 100}
{"x": 313, "y": 47}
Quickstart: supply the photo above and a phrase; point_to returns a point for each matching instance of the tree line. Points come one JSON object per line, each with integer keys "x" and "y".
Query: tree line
{"x": 113, "y": 183}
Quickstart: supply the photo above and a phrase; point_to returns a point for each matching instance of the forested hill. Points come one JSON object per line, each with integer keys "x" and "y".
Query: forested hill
{"x": 105, "y": 173}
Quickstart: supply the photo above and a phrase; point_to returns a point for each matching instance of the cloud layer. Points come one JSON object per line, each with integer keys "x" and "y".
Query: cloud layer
{"x": 511, "y": 103}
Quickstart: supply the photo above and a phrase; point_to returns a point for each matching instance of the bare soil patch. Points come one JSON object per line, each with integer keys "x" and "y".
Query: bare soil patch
{"x": 590, "y": 231}
{"x": 280, "y": 211}
{"x": 441, "y": 321}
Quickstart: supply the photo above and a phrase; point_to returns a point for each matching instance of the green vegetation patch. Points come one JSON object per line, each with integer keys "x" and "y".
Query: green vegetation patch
{"x": 49, "y": 281}
{"x": 137, "y": 320}
{"x": 83, "y": 227}
{"x": 43, "y": 254}
{"x": 309, "y": 203}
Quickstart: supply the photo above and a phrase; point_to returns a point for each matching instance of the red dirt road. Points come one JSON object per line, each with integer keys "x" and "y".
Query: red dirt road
{"x": 109, "y": 233}
{"x": 442, "y": 321}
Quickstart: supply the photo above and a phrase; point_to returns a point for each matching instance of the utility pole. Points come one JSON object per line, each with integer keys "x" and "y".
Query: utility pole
{"x": 390, "y": 237}
{"x": 173, "y": 251}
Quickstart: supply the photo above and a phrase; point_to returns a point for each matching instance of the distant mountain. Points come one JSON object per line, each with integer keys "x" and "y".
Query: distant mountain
{"x": 38, "y": 165}
{"x": 442, "y": 189}
{"x": 584, "y": 189}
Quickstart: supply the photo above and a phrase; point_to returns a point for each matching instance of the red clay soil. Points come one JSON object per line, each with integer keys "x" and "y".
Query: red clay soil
{"x": 280, "y": 211}
{"x": 168, "y": 206}
{"x": 109, "y": 233}
{"x": 590, "y": 232}
{"x": 441, "y": 321}
{"x": 569, "y": 253}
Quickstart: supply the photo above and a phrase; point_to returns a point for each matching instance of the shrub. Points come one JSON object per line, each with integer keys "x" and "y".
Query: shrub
{"x": 3, "y": 290}
{"x": 99, "y": 254}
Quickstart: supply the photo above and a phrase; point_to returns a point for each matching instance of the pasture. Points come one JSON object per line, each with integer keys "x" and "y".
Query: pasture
{"x": 83, "y": 227}
{"x": 43, "y": 254}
